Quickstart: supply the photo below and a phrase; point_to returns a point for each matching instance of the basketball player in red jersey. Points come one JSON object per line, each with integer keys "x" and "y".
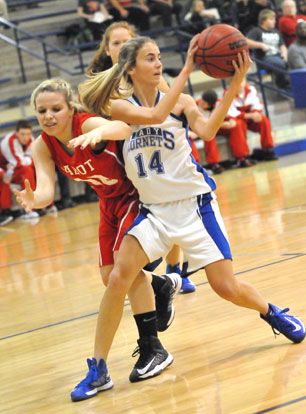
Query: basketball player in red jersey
{"x": 62, "y": 119}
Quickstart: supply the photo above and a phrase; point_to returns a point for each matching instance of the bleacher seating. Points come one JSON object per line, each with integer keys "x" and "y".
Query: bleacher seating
{"x": 46, "y": 23}
{"x": 298, "y": 83}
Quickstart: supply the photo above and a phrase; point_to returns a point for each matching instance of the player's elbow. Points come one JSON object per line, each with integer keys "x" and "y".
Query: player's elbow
{"x": 125, "y": 129}
{"x": 158, "y": 116}
{"x": 207, "y": 134}
{"x": 208, "y": 137}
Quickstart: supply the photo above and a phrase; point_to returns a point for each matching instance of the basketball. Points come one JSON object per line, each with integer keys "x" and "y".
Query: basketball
{"x": 218, "y": 46}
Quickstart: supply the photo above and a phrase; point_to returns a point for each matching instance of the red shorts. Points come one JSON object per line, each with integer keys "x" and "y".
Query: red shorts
{"x": 116, "y": 216}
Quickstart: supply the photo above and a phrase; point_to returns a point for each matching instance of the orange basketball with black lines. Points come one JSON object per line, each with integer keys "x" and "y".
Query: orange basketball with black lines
{"x": 218, "y": 46}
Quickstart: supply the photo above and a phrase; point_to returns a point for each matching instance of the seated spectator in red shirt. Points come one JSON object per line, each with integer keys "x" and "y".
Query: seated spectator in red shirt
{"x": 247, "y": 107}
{"x": 233, "y": 129}
{"x": 288, "y": 21}
{"x": 16, "y": 156}
{"x": 16, "y": 159}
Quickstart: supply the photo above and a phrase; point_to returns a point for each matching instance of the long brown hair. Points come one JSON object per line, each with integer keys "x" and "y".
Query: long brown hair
{"x": 102, "y": 88}
{"x": 101, "y": 61}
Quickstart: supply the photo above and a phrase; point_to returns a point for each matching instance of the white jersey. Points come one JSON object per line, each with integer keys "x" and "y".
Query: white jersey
{"x": 159, "y": 162}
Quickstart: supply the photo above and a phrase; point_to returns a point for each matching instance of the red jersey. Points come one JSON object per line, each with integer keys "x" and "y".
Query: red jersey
{"x": 287, "y": 26}
{"x": 103, "y": 171}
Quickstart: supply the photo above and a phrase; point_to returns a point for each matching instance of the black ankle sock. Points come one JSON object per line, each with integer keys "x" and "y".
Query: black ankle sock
{"x": 146, "y": 324}
{"x": 157, "y": 282}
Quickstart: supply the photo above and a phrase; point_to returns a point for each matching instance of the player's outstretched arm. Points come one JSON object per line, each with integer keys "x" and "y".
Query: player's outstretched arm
{"x": 207, "y": 129}
{"x": 97, "y": 129}
{"x": 25, "y": 197}
{"x": 141, "y": 115}
{"x": 45, "y": 180}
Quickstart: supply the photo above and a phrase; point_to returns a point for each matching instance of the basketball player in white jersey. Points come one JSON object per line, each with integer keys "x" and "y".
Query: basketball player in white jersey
{"x": 178, "y": 202}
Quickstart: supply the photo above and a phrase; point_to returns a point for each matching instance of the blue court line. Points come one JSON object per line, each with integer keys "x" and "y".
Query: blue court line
{"x": 44, "y": 258}
{"x": 48, "y": 326}
{"x": 292, "y": 256}
{"x": 296, "y": 256}
{"x": 127, "y": 302}
{"x": 268, "y": 410}
{"x": 55, "y": 324}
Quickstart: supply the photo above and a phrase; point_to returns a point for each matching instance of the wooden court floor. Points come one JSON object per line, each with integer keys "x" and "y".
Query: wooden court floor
{"x": 226, "y": 359}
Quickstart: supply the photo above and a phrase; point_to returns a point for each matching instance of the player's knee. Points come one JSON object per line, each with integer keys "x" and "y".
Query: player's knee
{"x": 104, "y": 276}
{"x": 120, "y": 279}
{"x": 227, "y": 291}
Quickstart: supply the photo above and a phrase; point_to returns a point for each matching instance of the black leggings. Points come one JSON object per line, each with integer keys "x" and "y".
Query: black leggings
{"x": 165, "y": 11}
{"x": 136, "y": 16}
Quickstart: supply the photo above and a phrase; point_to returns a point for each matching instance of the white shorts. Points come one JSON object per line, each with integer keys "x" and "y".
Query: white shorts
{"x": 194, "y": 224}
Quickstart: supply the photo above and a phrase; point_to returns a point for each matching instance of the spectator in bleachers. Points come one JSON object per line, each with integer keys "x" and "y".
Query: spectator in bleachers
{"x": 227, "y": 11}
{"x": 165, "y": 9}
{"x": 96, "y": 16}
{"x": 16, "y": 158}
{"x": 301, "y": 6}
{"x": 297, "y": 49}
{"x": 288, "y": 21}
{"x": 243, "y": 14}
{"x": 137, "y": 14}
{"x": 247, "y": 107}
{"x": 233, "y": 129}
{"x": 256, "y": 6}
{"x": 269, "y": 46}
{"x": 247, "y": 12}
{"x": 199, "y": 18}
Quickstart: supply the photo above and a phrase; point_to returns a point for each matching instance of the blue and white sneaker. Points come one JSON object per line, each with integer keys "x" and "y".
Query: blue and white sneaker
{"x": 290, "y": 326}
{"x": 187, "y": 286}
{"x": 97, "y": 379}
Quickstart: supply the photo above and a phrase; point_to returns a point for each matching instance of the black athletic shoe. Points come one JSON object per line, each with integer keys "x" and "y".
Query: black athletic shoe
{"x": 216, "y": 168}
{"x": 269, "y": 155}
{"x": 153, "y": 359}
{"x": 242, "y": 162}
{"x": 164, "y": 301}
{"x": 5, "y": 219}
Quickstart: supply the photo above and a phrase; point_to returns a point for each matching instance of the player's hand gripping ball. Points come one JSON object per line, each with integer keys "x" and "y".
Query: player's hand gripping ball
{"x": 218, "y": 45}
